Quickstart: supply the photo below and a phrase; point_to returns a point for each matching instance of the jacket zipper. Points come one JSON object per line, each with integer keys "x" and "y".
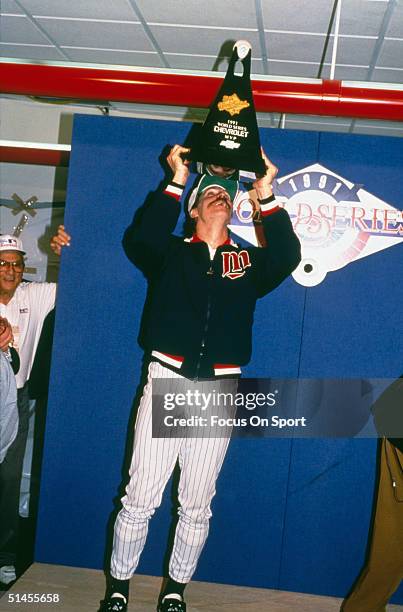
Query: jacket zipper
{"x": 210, "y": 273}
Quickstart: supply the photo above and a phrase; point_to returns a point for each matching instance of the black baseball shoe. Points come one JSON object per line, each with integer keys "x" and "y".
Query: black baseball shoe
{"x": 171, "y": 605}
{"x": 113, "y": 604}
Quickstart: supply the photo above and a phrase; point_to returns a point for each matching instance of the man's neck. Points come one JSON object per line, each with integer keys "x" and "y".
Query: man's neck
{"x": 213, "y": 234}
{"x": 6, "y": 297}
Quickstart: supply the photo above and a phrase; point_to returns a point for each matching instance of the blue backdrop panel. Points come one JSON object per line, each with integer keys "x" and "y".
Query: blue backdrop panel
{"x": 329, "y": 500}
{"x": 352, "y": 318}
{"x": 374, "y": 162}
{"x": 275, "y": 498}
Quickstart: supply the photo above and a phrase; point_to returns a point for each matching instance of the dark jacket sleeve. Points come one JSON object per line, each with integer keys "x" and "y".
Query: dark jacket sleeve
{"x": 282, "y": 252}
{"x": 15, "y": 360}
{"x": 148, "y": 237}
{"x": 38, "y": 383}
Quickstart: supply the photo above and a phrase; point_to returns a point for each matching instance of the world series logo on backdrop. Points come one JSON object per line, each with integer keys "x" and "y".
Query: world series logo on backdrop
{"x": 337, "y": 221}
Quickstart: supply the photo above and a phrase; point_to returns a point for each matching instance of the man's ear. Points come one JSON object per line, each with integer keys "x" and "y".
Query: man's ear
{"x": 194, "y": 213}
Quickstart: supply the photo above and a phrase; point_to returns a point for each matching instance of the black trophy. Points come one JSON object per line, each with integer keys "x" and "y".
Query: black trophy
{"x": 229, "y": 136}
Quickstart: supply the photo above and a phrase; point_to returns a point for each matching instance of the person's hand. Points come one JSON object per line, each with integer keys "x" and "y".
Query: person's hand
{"x": 178, "y": 165}
{"x": 60, "y": 240}
{"x": 263, "y": 184}
{"x": 6, "y": 334}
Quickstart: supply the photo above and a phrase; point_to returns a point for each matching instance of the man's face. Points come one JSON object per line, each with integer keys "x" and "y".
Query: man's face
{"x": 214, "y": 203}
{"x": 10, "y": 275}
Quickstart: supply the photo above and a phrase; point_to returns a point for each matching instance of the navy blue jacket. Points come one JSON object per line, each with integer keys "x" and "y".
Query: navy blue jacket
{"x": 199, "y": 309}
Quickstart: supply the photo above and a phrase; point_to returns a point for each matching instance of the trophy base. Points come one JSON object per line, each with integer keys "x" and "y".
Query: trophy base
{"x": 246, "y": 163}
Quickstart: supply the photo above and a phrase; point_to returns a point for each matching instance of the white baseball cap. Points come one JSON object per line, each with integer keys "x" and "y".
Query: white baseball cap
{"x": 10, "y": 243}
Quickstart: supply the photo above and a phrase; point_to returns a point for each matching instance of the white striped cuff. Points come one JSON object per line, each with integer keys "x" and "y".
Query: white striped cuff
{"x": 174, "y": 191}
{"x": 172, "y": 360}
{"x": 225, "y": 370}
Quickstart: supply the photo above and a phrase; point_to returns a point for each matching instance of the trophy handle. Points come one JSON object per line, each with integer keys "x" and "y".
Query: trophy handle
{"x": 242, "y": 51}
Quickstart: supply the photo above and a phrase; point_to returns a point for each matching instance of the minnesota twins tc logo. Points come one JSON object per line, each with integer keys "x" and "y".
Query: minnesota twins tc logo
{"x": 234, "y": 264}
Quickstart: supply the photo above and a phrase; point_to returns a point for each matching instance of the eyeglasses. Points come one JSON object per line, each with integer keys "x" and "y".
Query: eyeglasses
{"x": 18, "y": 266}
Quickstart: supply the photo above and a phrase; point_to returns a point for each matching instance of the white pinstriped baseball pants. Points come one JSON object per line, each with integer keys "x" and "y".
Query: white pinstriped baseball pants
{"x": 153, "y": 461}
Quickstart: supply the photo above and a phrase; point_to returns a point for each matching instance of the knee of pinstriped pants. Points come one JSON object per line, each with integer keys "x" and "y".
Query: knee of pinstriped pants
{"x": 197, "y": 516}
{"x": 135, "y": 513}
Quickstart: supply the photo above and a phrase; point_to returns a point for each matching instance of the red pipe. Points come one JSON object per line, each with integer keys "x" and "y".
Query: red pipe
{"x": 33, "y": 155}
{"x": 326, "y": 97}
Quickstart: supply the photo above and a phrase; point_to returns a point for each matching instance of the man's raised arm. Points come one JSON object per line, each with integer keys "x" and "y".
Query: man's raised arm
{"x": 146, "y": 239}
{"x": 282, "y": 252}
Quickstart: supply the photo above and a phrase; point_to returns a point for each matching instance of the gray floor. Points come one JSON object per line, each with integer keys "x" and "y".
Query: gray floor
{"x": 80, "y": 590}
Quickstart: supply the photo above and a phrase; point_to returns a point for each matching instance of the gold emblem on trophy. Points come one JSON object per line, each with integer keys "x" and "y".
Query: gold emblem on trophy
{"x": 232, "y": 104}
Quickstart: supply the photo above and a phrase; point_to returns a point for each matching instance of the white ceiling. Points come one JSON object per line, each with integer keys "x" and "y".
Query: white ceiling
{"x": 289, "y": 38}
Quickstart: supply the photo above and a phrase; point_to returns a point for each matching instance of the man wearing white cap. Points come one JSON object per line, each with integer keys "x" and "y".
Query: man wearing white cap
{"x": 25, "y": 306}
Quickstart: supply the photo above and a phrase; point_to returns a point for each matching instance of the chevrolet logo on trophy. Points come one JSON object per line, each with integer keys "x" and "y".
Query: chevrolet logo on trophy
{"x": 229, "y": 136}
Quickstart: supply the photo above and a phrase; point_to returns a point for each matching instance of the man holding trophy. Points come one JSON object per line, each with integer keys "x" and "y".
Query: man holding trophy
{"x": 198, "y": 325}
